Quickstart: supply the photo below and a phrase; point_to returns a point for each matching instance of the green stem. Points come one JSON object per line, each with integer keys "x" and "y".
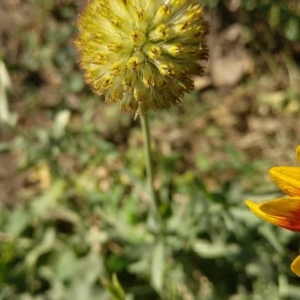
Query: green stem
{"x": 149, "y": 166}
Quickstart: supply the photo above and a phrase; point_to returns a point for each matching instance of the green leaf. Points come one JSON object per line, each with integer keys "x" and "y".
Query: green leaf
{"x": 292, "y": 29}
{"x": 18, "y": 221}
{"x": 66, "y": 264}
{"x": 270, "y": 235}
{"x": 206, "y": 249}
{"x": 48, "y": 201}
{"x": 87, "y": 273}
{"x": 114, "y": 288}
{"x": 43, "y": 247}
{"x": 157, "y": 265}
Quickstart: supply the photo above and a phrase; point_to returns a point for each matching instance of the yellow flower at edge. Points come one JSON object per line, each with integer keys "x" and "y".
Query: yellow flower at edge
{"x": 142, "y": 53}
{"x": 283, "y": 212}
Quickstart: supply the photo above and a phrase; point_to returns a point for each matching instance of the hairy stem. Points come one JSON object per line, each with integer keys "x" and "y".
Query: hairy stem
{"x": 149, "y": 168}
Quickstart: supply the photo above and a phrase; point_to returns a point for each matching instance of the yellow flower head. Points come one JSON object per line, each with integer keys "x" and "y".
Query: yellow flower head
{"x": 141, "y": 53}
{"x": 283, "y": 212}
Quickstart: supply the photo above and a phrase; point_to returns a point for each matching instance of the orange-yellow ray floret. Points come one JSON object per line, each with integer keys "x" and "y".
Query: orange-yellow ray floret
{"x": 298, "y": 154}
{"x": 295, "y": 266}
{"x": 283, "y": 212}
{"x": 287, "y": 178}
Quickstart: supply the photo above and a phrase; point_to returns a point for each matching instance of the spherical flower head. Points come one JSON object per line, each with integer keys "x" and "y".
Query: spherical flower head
{"x": 142, "y": 53}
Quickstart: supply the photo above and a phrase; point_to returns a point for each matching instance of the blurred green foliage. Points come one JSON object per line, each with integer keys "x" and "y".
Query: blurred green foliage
{"x": 77, "y": 228}
{"x": 91, "y": 223}
{"x": 280, "y": 16}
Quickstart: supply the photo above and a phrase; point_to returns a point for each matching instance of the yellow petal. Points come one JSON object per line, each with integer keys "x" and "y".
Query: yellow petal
{"x": 287, "y": 178}
{"x": 281, "y": 206}
{"x": 295, "y": 266}
{"x": 255, "y": 208}
{"x": 298, "y": 154}
{"x": 283, "y": 212}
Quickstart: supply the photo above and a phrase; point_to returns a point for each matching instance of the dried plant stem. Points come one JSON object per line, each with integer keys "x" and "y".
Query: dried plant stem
{"x": 149, "y": 168}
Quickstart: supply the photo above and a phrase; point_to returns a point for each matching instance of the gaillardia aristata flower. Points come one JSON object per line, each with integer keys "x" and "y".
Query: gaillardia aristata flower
{"x": 283, "y": 212}
{"x": 141, "y": 53}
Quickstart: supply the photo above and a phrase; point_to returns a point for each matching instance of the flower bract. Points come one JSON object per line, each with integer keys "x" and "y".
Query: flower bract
{"x": 142, "y": 53}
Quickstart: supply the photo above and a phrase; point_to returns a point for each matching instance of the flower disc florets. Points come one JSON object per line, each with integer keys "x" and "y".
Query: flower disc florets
{"x": 142, "y": 53}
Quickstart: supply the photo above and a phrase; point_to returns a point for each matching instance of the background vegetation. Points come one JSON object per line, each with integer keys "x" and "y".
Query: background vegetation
{"x": 73, "y": 208}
